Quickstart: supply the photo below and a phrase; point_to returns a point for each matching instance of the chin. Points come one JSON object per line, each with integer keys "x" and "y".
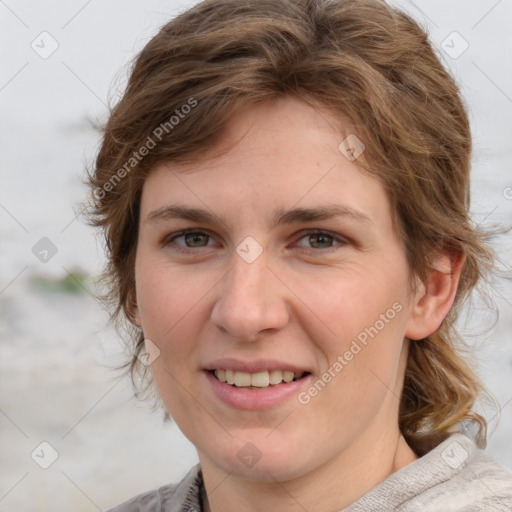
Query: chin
{"x": 259, "y": 460}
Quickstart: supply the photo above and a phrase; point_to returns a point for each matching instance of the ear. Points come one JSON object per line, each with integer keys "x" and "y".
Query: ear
{"x": 136, "y": 316}
{"x": 133, "y": 310}
{"x": 434, "y": 297}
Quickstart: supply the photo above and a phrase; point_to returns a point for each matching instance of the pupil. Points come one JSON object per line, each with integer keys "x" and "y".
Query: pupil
{"x": 321, "y": 239}
{"x": 194, "y": 237}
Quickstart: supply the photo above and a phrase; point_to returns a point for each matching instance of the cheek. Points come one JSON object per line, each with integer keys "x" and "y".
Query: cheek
{"x": 361, "y": 334}
{"x": 169, "y": 303}
{"x": 171, "y": 306}
{"x": 356, "y": 304}
{"x": 166, "y": 297}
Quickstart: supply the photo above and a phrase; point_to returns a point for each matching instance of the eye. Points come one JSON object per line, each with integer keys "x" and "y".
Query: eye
{"x": 317, "y": 240}
{"x": 322, "y": 240}
{"x": 191, "y": 239}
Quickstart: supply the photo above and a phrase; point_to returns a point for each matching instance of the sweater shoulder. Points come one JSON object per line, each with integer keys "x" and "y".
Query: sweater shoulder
{"x": 148, "y": 501}
{"x": 480, "y": 483}
{"x": 168, "y": 498}
{"x": 456, "y": 476}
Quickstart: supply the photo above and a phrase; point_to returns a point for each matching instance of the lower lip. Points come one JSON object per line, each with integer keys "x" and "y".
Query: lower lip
{"x": 255, "y": 399}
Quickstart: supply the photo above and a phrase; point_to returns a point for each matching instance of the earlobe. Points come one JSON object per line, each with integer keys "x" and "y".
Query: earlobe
{"x": 136, "y": 316}
{"x": 435, "y": 296}
{"x": 134, "y": 313}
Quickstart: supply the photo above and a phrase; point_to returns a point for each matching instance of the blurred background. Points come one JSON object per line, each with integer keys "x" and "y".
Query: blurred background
{"x": 72, "y": 437}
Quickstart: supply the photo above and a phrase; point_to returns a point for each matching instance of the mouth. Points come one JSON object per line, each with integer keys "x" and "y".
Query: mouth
{"x": 256, "y": 384}
{"x": 258, "y": 380}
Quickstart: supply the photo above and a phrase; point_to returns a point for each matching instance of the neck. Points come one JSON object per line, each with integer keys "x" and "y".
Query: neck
{"x": 332, "y": 487}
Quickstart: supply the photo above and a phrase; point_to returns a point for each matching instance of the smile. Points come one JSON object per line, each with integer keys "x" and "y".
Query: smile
{"x": 261, "y": 379}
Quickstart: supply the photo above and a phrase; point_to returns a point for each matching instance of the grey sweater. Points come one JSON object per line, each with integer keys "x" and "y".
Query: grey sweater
{"x": 454, "y": 476}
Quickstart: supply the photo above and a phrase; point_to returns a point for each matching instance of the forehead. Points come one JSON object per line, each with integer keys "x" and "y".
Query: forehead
{"x": 272, "y": 157}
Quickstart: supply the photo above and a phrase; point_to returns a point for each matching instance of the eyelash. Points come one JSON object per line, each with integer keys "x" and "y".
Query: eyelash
{"x": 188, "y": 250}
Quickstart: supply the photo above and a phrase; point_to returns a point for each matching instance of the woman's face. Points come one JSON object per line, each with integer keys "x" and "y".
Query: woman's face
{"x": 292, "y": 264}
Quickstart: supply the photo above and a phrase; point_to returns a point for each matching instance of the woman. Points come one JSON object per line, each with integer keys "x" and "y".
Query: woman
{"x": 284, "y": 191}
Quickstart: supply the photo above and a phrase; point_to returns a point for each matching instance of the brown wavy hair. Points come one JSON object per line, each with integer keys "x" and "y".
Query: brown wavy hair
{"x": 360, "y": 58}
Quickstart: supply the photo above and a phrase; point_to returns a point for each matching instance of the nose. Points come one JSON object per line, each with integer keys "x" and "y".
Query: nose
{"x": 251, "y": 301}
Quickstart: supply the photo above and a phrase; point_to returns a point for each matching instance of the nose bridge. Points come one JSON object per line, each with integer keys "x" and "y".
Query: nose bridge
{"x": 249, "y": 300}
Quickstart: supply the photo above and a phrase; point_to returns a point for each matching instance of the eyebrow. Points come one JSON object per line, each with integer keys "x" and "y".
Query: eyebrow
{"x": 280, "y": 217}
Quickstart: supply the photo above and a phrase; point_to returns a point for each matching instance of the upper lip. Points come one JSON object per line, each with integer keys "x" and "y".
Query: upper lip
{"x": 253, "y": 366}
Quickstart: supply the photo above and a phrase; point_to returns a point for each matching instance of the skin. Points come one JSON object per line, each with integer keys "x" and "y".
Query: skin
{"x": 303, "y": 301}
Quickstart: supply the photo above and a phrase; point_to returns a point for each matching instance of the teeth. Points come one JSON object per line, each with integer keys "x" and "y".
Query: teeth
{"x": 287, "y": 376}
{"x": 258, "y": 379}
{"x": 242, "y": 379}
{"x": 275, "y": 376}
